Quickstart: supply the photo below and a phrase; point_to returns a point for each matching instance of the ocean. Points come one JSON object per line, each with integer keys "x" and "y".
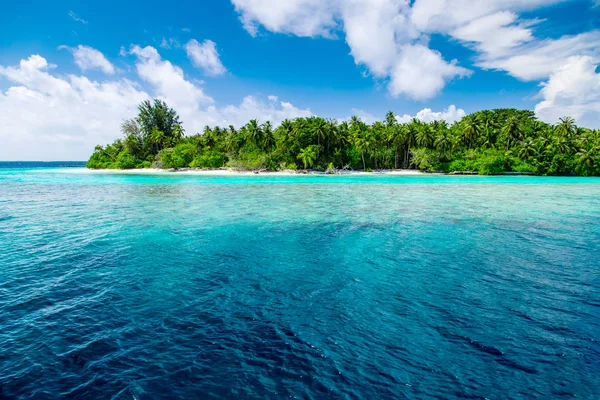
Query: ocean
{"x": 139, "y": 287}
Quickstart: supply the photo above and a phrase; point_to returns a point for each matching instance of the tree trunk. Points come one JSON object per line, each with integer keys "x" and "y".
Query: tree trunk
{"x": 362, "y": 153}
{"x": 396, "y": 158}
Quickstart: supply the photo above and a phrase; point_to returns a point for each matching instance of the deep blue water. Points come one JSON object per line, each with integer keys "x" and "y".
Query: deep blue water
{"x": 171, "y": 286}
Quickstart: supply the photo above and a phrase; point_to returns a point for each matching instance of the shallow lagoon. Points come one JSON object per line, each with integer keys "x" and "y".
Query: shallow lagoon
{"x": 144, "y": 286}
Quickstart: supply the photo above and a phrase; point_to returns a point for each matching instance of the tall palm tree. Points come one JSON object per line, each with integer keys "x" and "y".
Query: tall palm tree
{"x": 411, "y": 130}
{"x": 512, "y": 131}
{"x": 157, "y": 139}
{"x": 425, "y": 136}
{"x": 320, "y": 131}
{"x": 267, "y": 140}
{"x": 443, "y": 143}
{"x": 390, "y": 119}
{"x": 470, "y": 130}
{"x": 307, "y": 156}
{"x": 254, "y": 132}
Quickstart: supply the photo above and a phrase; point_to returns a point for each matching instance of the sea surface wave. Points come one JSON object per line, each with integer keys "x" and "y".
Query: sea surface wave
{"x": 346, "y": 287}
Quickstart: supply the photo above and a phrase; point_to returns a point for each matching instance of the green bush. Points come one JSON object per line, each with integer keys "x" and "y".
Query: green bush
{"x": 209, "y": 159}
{"x": 250, "y": 160}
{"x": 125, "y": 160}
{"x": 422, "y": 159}
{"x": 562, "y": 164}
{"x": 519, "y": 165}
{"x": 462, "y": 165}
{"x": 179, "y": 156}
{"x": 492, "y": 162}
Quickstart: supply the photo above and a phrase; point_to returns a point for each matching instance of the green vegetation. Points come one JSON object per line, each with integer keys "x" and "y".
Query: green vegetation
{"x": 486, "y": 142}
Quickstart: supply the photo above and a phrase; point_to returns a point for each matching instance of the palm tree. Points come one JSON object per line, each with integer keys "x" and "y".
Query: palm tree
{"x": 587, "y": 157}
{"x": 157, "y": 139}
{"x": 332, "y": 131}
{"x": 133, "y": 145}
{"x": 320, "y": 131}
{"x": 286, "y": 128}
{"x": 396, "y": 137}
{"x": 411, "y": 131}
{"x": 527, "y": 150}
{"x": 566, "y": 127}
{"x": 254, "y": 132}
{"x": 177, "y": 134}
{"x": 425, "y": 136}
{"x": 390, "y": 119}
{"x": 561, "y": 145}
{"x": 512, "y": 130}
{"x": 267, "y": 136}
{"x": 376, "y": 133}
{"x": 443, "y": 143}
{"x": 470, "y": 131}
{"x": 307, "y": 156}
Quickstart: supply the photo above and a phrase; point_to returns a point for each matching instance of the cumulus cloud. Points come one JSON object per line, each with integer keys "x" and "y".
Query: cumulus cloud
{"x": 450, "y": 115}
{"x": 48, "y": 116}
{"x": 420, "y": 73}
{"x": 205, "y": 56}
{"x": 572, "y": 90}
{"x": 390, "y": 37}
{"x": 298, "y": 17}
{"x": 89, "y": 58}
{"x": 379, "y": 33}
{"x": 253, "y": 108}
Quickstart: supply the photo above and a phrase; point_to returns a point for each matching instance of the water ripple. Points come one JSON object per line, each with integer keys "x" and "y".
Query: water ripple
{"x": 137, "y": 287}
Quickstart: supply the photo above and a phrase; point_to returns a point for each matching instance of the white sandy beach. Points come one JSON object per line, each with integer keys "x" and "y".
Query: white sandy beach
{"x": 234, "y": 172}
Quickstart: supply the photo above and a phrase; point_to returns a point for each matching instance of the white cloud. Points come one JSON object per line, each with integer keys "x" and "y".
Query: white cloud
{"x": 47, "y": 116}
{"x": 572, "y": 90}
{"x": 378, "y": 32}
{"x": 494, "y": 33}
{"x": 420, "y": 73}
{"x": 90, "y": 58}
{"x": 252, "y": 108}
{"x": 205, "y": 56}
{"x": 298, "y": 17}
{"x": 390, "y": 37}
{"x": 539, "y": 59}
{"x": 363, "y": 115}
{"x": 76, "y": 18}
{"x": 450, "y": 115}
{"x": 44, "y": 117}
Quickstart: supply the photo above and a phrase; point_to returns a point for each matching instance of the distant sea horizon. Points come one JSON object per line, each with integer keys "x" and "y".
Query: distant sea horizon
{"x": 34, "y": 164}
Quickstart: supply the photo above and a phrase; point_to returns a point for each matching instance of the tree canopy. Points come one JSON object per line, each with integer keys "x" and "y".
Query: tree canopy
{"x": 487, "y": 142}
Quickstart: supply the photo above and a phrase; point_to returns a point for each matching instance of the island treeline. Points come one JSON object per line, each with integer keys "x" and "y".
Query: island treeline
{"x": 486, "y": 142}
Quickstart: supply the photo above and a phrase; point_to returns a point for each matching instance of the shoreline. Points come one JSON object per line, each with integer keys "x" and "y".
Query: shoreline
{"x": 235, "y": 172}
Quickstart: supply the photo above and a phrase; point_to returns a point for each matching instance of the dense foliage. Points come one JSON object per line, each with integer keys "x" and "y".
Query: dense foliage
{"x": 487, "y": 142}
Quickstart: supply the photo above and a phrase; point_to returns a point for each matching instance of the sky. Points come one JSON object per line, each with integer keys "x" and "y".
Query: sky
{"x": 72, "y": 71}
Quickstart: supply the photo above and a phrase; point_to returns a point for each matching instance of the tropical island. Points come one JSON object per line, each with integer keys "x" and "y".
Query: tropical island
{"x": 499, "y": 141}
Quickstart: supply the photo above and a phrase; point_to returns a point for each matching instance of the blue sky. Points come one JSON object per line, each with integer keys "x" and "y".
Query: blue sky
{"x": 70, "y": 71}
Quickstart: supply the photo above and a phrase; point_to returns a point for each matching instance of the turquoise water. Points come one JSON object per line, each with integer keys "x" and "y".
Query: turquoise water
{"x": 172, "y": 286}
